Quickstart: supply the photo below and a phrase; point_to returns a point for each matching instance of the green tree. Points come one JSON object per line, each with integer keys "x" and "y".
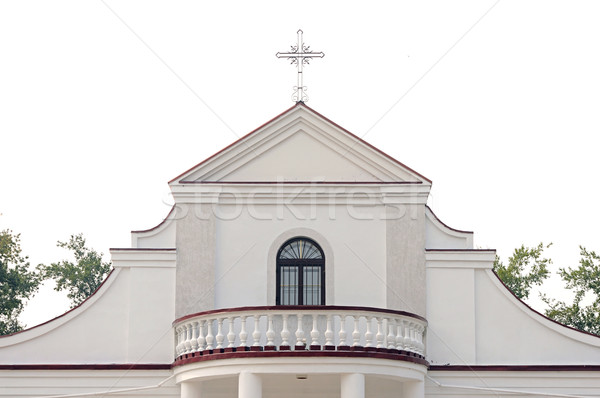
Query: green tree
{"x": 17, "y": 283}
{"x": 80, "y": 278}
{"x": 585, "y": 282}
{"x": 526, "y": 267}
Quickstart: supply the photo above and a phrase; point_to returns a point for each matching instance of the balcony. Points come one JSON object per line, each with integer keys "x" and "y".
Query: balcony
{"x": 297, "y": 331}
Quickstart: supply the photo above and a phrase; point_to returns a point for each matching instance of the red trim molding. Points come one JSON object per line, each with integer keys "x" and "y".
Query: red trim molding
{"x": 539, "y": 313}
{"x": 366, "y": 143}
{"x": 304, "y": 183}
{"x": 159, "y": 224}
{"x": 233, "y": 143}
{"x": 143, "y": 249}
{"x": 348, "y": 352}
{"x": 300, "y": 308}
{"x": 300, "y": 104}
{"x": 95, "y": 366}
{"x": 446, "y": 225}
{"x": 71, "y": 310}
{"x": 462, "y": 250}
{"x": 515, "y": 368}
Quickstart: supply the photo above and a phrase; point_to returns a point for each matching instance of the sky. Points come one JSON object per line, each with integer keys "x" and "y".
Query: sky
{"x": 102, "y": 102}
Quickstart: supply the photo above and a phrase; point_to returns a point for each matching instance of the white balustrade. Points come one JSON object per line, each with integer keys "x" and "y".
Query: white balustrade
{"x": 275, "y": 328}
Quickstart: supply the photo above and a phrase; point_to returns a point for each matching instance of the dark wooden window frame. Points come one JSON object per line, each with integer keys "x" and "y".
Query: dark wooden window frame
{"x": 300, "y": 264}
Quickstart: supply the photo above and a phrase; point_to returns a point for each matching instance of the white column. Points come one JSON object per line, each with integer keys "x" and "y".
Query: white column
{"x": 353, "y": 385}
{"x": 414, "y": 389}
{"x": 249, "y": 385}
{"x": 191, "y": 389}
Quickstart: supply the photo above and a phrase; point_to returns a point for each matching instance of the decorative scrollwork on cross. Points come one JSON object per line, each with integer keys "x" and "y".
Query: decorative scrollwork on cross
{"x": 300, "y": 55}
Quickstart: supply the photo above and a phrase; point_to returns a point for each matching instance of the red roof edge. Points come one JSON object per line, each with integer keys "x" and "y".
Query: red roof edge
{"x": 86, "y": 366}
{"x": 302, "y": 104}
{"x": 236, "y": 141}
{"x": 516, "y": 368}
{"x": 72, "y": 309}
{"x": 366, "y": 143}
{"x": 446, "y": 225}
{"x": 539, "y": 313}
{"x": 158, "y": 225}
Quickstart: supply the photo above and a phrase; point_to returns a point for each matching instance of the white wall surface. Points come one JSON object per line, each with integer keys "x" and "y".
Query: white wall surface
{"x": 475, "y": 320}
{"x": 39, "y": 383}
{"x": 128, "y": 320}
{"x": 524, "y": 383}
{"x": 440, "y": 236}
{"x": 243, "y": 255}
{"x": 161, "y": 236}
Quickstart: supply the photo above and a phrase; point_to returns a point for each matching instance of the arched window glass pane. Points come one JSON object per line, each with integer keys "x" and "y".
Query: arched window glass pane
{"x": 289, "y": 285}
{"x": 312, "y": 285}
{"x": 300, "y": 273}
{"x": 300, "y": 249}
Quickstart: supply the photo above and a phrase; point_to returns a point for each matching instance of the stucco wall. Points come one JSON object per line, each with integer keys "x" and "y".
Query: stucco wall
{"x": 405, "y": 259}
{"x": 196, "y": 251}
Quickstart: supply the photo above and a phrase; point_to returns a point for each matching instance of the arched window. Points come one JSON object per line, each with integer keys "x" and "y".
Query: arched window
{"x": 300, "y": 273}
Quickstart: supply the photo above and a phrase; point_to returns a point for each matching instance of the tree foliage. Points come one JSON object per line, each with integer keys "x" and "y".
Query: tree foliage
{"x": 526, "y": 267}
{"x": 585, "y": 282}
{"x": 80, "y": 278}
{"x": 17, "y": 282}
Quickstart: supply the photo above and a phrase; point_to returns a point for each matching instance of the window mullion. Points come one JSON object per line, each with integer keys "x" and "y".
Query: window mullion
{"x": 300, "y": 284}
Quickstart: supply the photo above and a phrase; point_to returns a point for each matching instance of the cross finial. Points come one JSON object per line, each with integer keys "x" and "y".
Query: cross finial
{"x": 299, "y": 55}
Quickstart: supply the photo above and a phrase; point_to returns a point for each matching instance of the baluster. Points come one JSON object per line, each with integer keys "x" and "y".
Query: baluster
{"x": 329, "y": 332}
{"x": 270, "y": 332}
{"x": 220, "y": 335}
{"x": 413, "y": 344}
{"x": 256, "y": 333}
{"x": 343, "y": 331}
{"x": 406, "y": 339}
{"x": 194, "y": 341}
{"x": 188, "y": 337}
{"x": 179, "y": 346}
{"x": 243, "y": 333}
{"x": 356, "y": 332}
{"x": 369, "y": 334}
{"x": 183, "y": 336}
{"x": 422, "y": 339}
{"x": 379, "y": 335}
{"x": 201, "y": 339}
{"x": 300, "y": 341}
{"x": 419, "y": 336}
{"x": 210, "y": 338}
{"x": 231, "y": 334}
{"x": 399, "y": 337}
{"x": 391, "y": 336}
{"x": 285, "y": 333}
{"x": 314, "y": 334}
{"x": 413, "y": 338}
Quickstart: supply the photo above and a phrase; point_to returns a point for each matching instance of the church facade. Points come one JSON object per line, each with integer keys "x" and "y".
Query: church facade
{"x": 301, "y": 262}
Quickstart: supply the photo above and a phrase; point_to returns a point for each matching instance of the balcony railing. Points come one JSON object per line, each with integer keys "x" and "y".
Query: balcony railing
{"x": 300, "y": 328}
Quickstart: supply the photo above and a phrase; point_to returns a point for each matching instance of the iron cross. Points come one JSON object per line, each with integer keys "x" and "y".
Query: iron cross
{"x": 300, "y": 54}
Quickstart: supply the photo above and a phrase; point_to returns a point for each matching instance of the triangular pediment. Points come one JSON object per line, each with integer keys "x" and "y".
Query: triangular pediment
{"x": 300, "y": 145}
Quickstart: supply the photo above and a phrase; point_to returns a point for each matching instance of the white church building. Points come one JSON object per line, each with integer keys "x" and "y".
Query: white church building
{"x": 300, "y": 261}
